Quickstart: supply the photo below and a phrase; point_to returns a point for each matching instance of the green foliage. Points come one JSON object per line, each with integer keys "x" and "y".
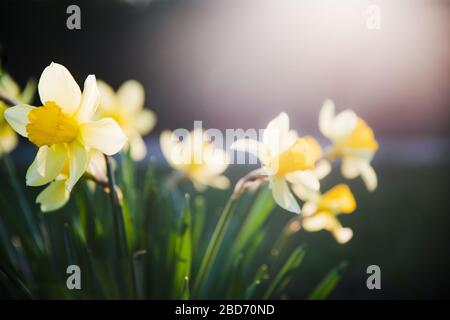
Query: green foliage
{"x": 177, "y": 247}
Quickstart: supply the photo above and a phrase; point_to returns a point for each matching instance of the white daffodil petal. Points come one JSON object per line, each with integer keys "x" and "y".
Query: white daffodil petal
{"x": 316, "y": 222}
{"x": 138, "y": 147}
{"x": 322, "y": 169}
{"x": 131, "y": 96}
{"x": 326, "y": 117}
{"x": 89, "y": 100}
{"x": 343, "y": 235}
{"x": 47, "y": 165}
{"x": 107, "y": 97}
{"x": 343, "y": 124}
{"x": 104, "y": 135}
{"x": 276, "y": 136}
{"x": 351, "y": 167}
{"x": 78, "y": 163}
{"x": 369, "y": 176}
{"x": 97, "y": 165}
{"x": 54, "y": 196}
{"x": 283, "y": 196}
{"x": 309, "y": 208}
{"x": 171, "y": 149}
{"x": 215, "y": 161}
{"x": 252, "y": 146}
{"x": 306, "y": 178}
{"x": 304, "y": 193}
{"x": 145, "y": 121}
{"x": 57, "y": 84}
{"x": 17, "y": 117}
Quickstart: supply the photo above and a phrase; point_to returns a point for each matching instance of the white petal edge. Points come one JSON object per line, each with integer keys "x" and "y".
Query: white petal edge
{"x": 17, "y": 117}
{"x": 326, "y": 118}
{"x": 54, "y": 196}
{"x": 57, "y": 84}
{"x": 89, "y": 100}
{"x": 131, "y": 96}
{"x": 47, "y": 165}
{"x": 283, "y": 196}
{"x": 252, "y": 146}
{"x": 104, "y": 135}
{"x": 78, "y": 163}
{"x": 343, "y": 124}
{"x": 369, "y": 176}
{"x": 305, "y": 178}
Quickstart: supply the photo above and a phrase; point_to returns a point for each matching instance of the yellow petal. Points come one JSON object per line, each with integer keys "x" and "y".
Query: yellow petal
{"x": 338, "y": 199}
{"x": 131, "y": 96}
{"x": 78, "y": 162}
{"x": 17, "y": 117}
{"x": 54, "y": 196}
{"x": 47, "y": 165}
{"x": 283, "y": 196}
{"x": 57, "y": 84}
{"x": 97, "y": 165}
{"x": 104, "y": 135}
{"x": 89, "y": 100}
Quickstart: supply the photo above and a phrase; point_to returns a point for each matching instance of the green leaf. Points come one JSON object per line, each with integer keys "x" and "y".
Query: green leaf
{"x": 258, "y": 214}
{"x": 326, "y": 286}
{"x": 183, "y": 252}
{"x": 292, "y": 263}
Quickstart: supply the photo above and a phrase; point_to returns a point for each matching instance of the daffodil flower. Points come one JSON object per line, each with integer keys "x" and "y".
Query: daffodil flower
{"x": 196, "y": 158}
{"x": 56, "y": 194}
{"x": 284, "y": 158}
{"x": 127, "y": 108}
{"x": 320, "y": 211}
{"x": 353, "y": 141}
{"x": 63, "y": 130}
{"x": 10, "y": 89}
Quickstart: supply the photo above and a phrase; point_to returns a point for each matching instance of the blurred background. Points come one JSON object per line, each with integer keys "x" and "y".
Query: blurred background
{"x": 237, "y": 64}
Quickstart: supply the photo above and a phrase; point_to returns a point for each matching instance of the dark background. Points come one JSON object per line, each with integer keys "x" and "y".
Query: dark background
{"x": 223, "y": 64}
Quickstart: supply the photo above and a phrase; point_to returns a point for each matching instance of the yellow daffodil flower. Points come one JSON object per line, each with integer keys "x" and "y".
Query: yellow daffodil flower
{"x": 56, "y": 194}
{"x": 353, "y": 141}
{"x": 127, "y": 108}
{"x": 64, "y": 132}
{"x": 196, "y": 158}
{"x": 10, "y": 89}
{"x": 320, "y": 211}
{"x": 284, "y": 158}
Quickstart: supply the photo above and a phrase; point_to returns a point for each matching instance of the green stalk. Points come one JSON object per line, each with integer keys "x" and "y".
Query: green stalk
{"x": 214, "y": 245}
{"x": 27, "y": 215}
{"x": 118, "y": 222}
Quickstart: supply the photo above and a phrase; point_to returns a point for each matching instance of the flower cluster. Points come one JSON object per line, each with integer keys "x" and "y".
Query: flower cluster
{"x": 72, "y": 129}
{"x": 295, "y": 165}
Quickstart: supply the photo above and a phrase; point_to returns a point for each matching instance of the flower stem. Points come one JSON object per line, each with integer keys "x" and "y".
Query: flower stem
{"x": 219, "y": 232}
{"x": 213, "y": 247}
{"x": 118, "y": 222}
